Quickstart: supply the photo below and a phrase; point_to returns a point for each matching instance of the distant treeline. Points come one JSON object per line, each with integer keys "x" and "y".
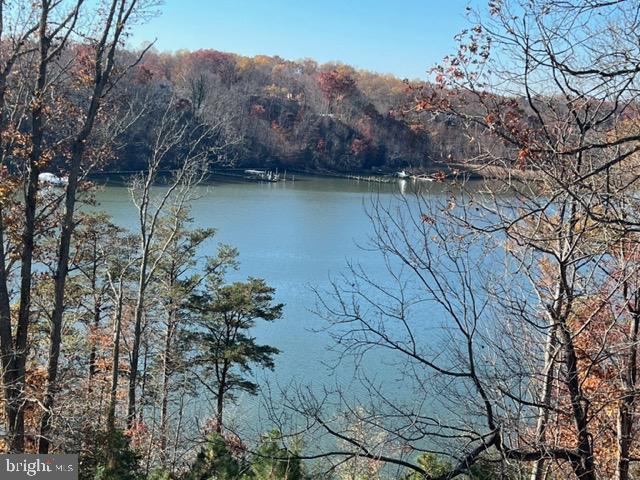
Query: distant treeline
{"x": 271, "y": 112}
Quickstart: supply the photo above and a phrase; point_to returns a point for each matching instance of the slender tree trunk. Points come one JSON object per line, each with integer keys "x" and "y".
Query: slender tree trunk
{"x": 626, "y": 409}
{"x": 96, "y": 315}
{"x": 586, "y": 469}
{"x": 137, "y": 337}
{"x": 115, "y": 366}
{"x": 6, "y": 341}
{"x": 17, "y": 376}
{"x": 538, "y": 469}
{"x": 625, "y": 436}
{"x": 60, "y": 282}
{"x": 178, "y": 433}
{"x": 94, "y": 350}
{"x": 166, "y": 378}
{"x": 222, "y": 387}
{"x": 220, "y": 408}
{"x": 28, "y": 235}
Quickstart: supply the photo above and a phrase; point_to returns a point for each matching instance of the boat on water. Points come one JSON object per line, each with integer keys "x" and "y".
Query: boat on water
{"x": 424, "y": 178}
{"x": 402, "y": 174}
{"x": 262, "y": 175}
{"x": 47, "y": 178}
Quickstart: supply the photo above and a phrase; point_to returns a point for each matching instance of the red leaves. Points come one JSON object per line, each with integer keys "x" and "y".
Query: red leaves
{"x": 335, "y": 84}
{"x": 143, "y": 75}
{"x": 424, "y": 218}
{"x": 211, "y": 59}
{"x": 359, "y": 146}
{"x": 257, "y": 109}
{"x": 276, "y": 126}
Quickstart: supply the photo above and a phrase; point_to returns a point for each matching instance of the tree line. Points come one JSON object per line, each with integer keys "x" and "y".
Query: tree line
{"x": 297, "y": 114}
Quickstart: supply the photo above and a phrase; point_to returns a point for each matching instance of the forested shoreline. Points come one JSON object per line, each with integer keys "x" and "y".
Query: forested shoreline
{"x": 294, "y": 114}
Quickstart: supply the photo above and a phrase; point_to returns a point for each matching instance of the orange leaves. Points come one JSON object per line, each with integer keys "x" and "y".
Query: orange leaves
{"x": 523, "y": 154}
{"x": 138, "y": 433}
{"x": 83, "y": 72}
{"x": 417, "y": 127}
{"x": 440, "y": 176}
{"x": 422, "y": 105}
{"x": 601, "y": 344}
{"x": 101, "y": 339}
{"x": 8, "y": 185}
{"x": 103, "y": 364}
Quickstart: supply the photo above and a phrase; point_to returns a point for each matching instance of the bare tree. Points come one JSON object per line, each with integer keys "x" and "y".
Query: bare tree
{"x": 527, "y": 337}
{"x": 184, "y": 144}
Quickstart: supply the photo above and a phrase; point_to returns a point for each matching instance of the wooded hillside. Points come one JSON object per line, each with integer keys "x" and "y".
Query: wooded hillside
{"x": 272, "y": 112}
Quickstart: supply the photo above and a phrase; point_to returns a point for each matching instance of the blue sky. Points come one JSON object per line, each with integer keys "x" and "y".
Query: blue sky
{"x": 402, "y": 37}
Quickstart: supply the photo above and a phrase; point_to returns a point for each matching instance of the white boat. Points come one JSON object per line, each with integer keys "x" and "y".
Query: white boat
{"x": 263, "y": 175}
{"x": 47, "y": 178}
{"x": 402, "y": 174}
{"x": 424, "y": 178}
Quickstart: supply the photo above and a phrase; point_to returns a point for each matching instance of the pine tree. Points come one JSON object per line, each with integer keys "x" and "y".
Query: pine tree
{"x": 272, "y": 461}
{"x": 225, "y": 349}
{"x": 214, "y": 461}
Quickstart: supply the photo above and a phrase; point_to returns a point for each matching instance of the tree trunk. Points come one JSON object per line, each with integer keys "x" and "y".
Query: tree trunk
{"x": 28, "y": 236}
{"x": 586, "y": 469}
{"x": 115, "y": 366}
{"x": 624, "y": 434}
{"x": 537, "y": 472}
{"x": 164, "y": 403}
{"x": 17, "y": 376}
{"x": 143, "y": 387}
{"x": 135, "y": 349}
{"x": 93, "y": 354}
{"x": 222, "y": 386}
{"x": 220, "y": 408}
{"x": 626, "y": 409}
{"x": 6, "y": 342}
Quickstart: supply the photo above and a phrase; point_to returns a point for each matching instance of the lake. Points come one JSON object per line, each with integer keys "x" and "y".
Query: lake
{"x": 297, "y": 235}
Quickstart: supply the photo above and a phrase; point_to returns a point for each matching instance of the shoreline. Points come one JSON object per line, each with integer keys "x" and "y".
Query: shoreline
{"x": 434, "y": 173}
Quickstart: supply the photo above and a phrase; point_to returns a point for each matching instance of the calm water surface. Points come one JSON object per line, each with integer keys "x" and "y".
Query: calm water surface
{"x": 297, "y": 236}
